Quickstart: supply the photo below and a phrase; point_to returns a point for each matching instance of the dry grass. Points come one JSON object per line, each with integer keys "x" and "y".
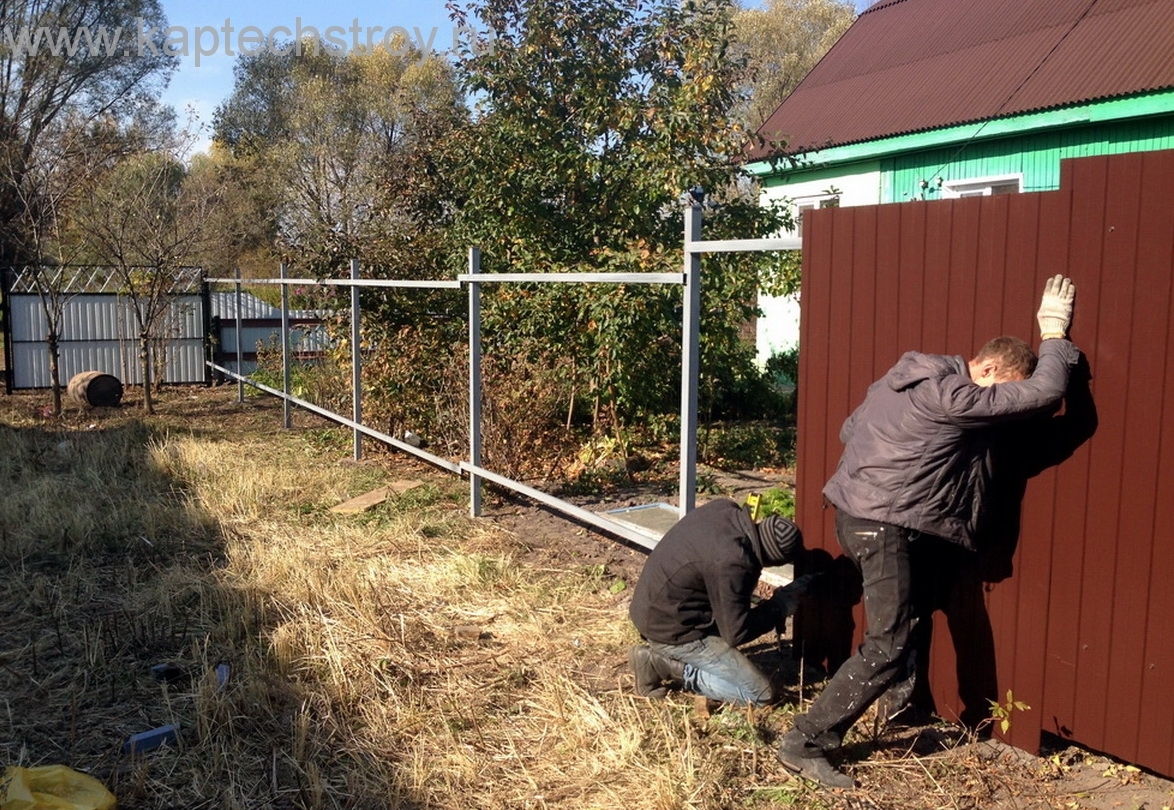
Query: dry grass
{"x": 407, "y": 657}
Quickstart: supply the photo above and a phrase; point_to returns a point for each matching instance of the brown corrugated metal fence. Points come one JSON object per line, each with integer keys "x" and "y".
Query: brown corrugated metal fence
{"x": 1078, "y": 613}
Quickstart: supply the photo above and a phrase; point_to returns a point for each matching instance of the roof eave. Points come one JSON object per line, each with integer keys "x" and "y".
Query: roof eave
{"x": 1116, "y": 109}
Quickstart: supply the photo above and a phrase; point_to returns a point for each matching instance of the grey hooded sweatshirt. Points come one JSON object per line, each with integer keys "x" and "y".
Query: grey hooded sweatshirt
{"x": 916, "y": 451}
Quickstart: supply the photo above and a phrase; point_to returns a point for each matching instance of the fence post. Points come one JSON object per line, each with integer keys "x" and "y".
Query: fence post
{"x": 356, "y": 363}
{"x": 474, "y": 382}
{"x": 285, "y": 375}
{"x": 6, "y": 283}
{"x": 209, "y": 342}
{"x": 240, "y": 352}
{"x": 690, "y": 360}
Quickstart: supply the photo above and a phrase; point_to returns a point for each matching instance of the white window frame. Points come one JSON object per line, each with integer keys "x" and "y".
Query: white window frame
{"x": 980, "y": 186}
{"x": 810, "y": 202}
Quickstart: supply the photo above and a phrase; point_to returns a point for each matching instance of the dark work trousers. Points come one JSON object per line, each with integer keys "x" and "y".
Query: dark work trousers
{"x": 883, "y": 554}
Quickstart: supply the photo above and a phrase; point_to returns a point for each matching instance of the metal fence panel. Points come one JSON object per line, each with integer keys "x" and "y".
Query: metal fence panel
{"x": 1076, "y": 625}
{"x": 98, "y": 333}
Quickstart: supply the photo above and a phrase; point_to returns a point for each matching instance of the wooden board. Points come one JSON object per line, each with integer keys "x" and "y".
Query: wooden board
{"x": 369, "y": 500}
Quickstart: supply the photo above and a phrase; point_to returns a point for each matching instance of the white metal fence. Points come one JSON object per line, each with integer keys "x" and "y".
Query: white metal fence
{"x": 98, "y": 330}
{"x": 689, "y": 280}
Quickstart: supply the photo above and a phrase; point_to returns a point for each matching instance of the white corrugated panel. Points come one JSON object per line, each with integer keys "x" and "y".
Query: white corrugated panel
{"x": 223, "y": 306}
{"x": 100, "y": 333}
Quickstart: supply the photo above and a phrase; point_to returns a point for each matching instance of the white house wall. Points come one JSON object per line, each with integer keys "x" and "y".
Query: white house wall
{"x": 778, "y": 327}
{"x": 860, "y": 187}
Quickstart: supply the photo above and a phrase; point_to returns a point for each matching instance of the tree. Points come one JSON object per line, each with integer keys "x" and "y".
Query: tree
{"x": 337, "y": 156}
{"x": 783, "y": 40}
{"x": 593, "y": 119}
{"x": 348, "y": 138}
{"x": 71, "y": 155}
{"x": 58, "y": 59}
{"x": 146, "y": 219}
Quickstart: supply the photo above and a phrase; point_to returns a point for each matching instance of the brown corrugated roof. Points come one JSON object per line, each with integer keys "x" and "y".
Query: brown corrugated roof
{"x": 914, "y": 65}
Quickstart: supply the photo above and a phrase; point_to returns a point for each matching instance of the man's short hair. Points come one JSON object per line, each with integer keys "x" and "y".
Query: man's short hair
{"x": 1013, "y": 355}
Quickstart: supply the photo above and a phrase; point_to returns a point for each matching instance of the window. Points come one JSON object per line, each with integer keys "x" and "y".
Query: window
{"x": 981, "y": 187}
{"x": 811, "y": 203}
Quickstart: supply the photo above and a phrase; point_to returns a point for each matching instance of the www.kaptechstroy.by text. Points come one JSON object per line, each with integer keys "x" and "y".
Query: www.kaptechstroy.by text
{"x": 209, "y": 40}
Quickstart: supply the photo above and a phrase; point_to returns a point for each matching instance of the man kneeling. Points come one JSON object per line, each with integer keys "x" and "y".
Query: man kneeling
{"x": 693, "y": 603}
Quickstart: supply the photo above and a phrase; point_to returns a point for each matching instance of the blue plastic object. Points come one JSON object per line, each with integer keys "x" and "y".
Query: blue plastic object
{"x": 150, "y": 740}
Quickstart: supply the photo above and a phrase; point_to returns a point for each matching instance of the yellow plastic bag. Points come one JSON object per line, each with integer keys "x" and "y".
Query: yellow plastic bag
{"x": 52, "y": 787}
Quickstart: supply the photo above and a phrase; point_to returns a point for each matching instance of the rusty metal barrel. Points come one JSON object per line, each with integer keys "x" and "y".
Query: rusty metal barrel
{"x": 95, "y": 389}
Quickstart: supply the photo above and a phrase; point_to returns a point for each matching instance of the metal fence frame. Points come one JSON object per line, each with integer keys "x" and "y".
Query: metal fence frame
{"x": 689, "y": 279}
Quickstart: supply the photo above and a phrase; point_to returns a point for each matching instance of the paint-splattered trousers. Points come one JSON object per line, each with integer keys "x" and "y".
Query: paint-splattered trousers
{"x": 882, "y": 553}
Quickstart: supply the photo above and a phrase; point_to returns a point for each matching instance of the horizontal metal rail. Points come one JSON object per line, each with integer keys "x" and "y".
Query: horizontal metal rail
{"x": 640, "y": 538}
{"x": 611, "y": 526}
{"x": 346, "y": 282}
{"x": 744, "y": 245}
{"x": 451, "y": 466}
{"x": 469, "y": 278}
{"x": 574, "y": 278}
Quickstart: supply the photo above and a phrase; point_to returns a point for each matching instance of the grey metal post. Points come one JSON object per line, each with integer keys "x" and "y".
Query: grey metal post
{"x": 356, "y": 363}
{"x": 240, "y": 352}
{"x": 209, "y": 340}
{"x": 690, "y": 361}
{"x": 474, "y": 382}
{"x": 285, "y": 381}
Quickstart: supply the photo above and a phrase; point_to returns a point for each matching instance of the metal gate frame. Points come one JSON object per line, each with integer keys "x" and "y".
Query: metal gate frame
{"x": 689, "y": 279}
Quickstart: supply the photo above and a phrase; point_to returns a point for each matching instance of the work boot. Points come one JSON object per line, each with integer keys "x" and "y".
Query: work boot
{"x": 652, "y": 670}
{"x": 809, "y": 762}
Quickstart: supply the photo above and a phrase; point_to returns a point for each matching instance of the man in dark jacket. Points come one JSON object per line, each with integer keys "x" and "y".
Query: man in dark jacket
{"x": 693, "y": 603}
{"x": 914, "y": 473}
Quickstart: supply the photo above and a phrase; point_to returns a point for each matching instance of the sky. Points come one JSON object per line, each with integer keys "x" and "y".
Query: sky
{"x": 215, "y": 31}
{"x": 212, "y": 29}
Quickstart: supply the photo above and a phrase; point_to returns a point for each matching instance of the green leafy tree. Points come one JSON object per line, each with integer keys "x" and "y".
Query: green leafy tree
{"x": 782, "y": 40}
{"x": 593, "y": 119}
{"x": 345, "y": 140}
{"x": 346, "y": 151}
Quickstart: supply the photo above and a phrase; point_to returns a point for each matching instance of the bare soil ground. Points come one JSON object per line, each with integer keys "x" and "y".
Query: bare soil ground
{"x": 988, "y": 773}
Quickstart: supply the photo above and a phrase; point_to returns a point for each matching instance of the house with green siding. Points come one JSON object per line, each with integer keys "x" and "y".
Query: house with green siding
{"x": 932, "y": 99}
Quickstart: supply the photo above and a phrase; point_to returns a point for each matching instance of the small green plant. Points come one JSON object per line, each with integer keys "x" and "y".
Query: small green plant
{"x": 782, "y": 797}
{"x": 777, "y": 501}
{"x": 1001, "y": 712}
{"x": 707, "y": 482}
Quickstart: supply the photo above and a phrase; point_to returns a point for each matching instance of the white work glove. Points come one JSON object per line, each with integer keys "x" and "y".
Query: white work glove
{"x": 1055, "y": 308}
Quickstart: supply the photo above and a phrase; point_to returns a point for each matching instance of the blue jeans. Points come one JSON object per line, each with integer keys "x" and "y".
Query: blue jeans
{"x": 715, "y": 669}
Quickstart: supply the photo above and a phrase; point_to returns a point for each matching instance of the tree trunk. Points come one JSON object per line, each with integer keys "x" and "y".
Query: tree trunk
{"x": 55, "y": 371}
{"x": 145, "y": 363}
